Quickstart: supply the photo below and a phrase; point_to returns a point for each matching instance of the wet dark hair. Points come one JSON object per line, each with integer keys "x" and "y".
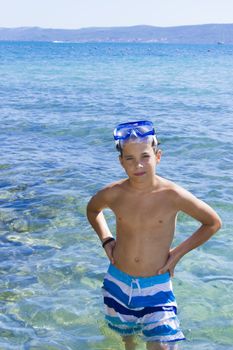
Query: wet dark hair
{"x": 120, "y": 148}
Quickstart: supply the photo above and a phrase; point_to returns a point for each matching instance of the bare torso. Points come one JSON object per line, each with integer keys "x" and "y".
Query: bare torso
{"x": 145, "y": 224}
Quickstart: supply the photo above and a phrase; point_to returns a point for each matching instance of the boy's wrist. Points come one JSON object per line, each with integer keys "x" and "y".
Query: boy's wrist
{"x": 177, "y": 252}
{"x": 107, "y": 240}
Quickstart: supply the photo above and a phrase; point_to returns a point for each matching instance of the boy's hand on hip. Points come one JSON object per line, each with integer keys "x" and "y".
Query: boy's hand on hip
{"x": 170, "y": 264}
{"x": 109, "y": 248}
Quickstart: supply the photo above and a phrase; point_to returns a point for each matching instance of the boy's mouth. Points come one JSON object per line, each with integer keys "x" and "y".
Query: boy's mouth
{"x": 140, "y": 174}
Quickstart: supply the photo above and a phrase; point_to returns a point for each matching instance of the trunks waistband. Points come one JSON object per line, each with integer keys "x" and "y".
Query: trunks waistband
{"x": 143, "y": 281}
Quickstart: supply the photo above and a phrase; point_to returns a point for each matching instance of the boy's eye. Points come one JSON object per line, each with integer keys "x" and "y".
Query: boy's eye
{"x": 146, "y": 156}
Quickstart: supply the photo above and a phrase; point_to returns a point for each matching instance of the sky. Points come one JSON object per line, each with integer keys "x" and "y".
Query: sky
{"x": 74, "y": 14}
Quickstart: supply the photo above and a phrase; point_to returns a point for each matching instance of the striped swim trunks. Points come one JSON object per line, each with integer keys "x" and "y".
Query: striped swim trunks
{"x": 144, "y": 305}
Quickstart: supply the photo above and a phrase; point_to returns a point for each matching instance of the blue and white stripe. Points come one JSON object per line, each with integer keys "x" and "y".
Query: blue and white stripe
{"x": 141, "y": 304}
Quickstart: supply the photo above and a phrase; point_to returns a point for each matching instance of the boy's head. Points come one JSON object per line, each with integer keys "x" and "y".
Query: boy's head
{"x": 137, "y": 132}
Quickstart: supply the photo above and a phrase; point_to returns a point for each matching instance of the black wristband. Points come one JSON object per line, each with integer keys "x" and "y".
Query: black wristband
{"x": 108, "y": 241}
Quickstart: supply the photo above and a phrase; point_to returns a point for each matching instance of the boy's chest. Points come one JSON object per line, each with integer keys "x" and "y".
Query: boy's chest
{"x": 136, "y": 208}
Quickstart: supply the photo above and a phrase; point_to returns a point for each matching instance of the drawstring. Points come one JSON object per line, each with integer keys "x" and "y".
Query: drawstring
{"x": 134, "y": 281}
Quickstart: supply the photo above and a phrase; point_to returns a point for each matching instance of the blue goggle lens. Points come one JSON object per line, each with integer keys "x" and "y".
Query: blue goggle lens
{"x": 140, "y": 129}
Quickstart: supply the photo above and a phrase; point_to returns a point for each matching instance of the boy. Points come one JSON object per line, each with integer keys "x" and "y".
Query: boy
{"x": 137, "y": 289}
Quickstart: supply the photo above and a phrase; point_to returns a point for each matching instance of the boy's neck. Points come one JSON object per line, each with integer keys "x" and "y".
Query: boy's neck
{"x": 144, "y": 186}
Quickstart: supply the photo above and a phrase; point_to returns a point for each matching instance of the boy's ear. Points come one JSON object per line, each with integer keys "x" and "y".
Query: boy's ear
{"x": 120, "y": 159}
{"x": 158, "y": 155}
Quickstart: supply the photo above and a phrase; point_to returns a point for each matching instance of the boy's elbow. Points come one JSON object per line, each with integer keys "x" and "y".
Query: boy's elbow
{"x": 217, "y": 223}
{"x": 91, "y": 210}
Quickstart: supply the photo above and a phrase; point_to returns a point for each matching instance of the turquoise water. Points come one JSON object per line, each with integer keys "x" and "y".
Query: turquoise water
{"x": 58, "y": 106}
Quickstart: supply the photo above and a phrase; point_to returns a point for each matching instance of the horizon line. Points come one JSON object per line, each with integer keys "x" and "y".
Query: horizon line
{"x": 117, "y": 26}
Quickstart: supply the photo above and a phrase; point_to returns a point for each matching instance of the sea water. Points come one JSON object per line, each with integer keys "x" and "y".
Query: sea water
{"x": 59, "y": 103}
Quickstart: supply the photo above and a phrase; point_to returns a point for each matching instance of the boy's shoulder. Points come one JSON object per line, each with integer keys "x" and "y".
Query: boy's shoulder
{"x": 172, "y": 188}
{"x": 168, "y": 184}
{"x": 112, "y": 189}
{"x": 109, "y": 194}
{"x": 114, "y": 186}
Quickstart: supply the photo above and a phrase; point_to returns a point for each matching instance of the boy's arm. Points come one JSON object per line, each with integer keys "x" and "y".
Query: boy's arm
{"x": 210, "y": 224}
{"x": 97, "y": 220}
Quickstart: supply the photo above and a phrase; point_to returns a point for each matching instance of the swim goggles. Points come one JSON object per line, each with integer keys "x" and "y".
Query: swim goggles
{"x": 140, "y": 129}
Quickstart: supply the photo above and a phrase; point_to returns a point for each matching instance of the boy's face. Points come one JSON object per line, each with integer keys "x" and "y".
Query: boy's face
{"x": 139, "y": 160}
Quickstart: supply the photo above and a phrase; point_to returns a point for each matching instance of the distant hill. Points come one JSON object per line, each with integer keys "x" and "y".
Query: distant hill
{"x": 194, "y": 34}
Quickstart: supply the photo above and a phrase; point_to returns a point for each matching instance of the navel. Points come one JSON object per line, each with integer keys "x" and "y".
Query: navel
{"x": 137, "y": 259}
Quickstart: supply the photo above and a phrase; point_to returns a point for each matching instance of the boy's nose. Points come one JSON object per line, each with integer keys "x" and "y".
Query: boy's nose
{"x": 139, "y": 165}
